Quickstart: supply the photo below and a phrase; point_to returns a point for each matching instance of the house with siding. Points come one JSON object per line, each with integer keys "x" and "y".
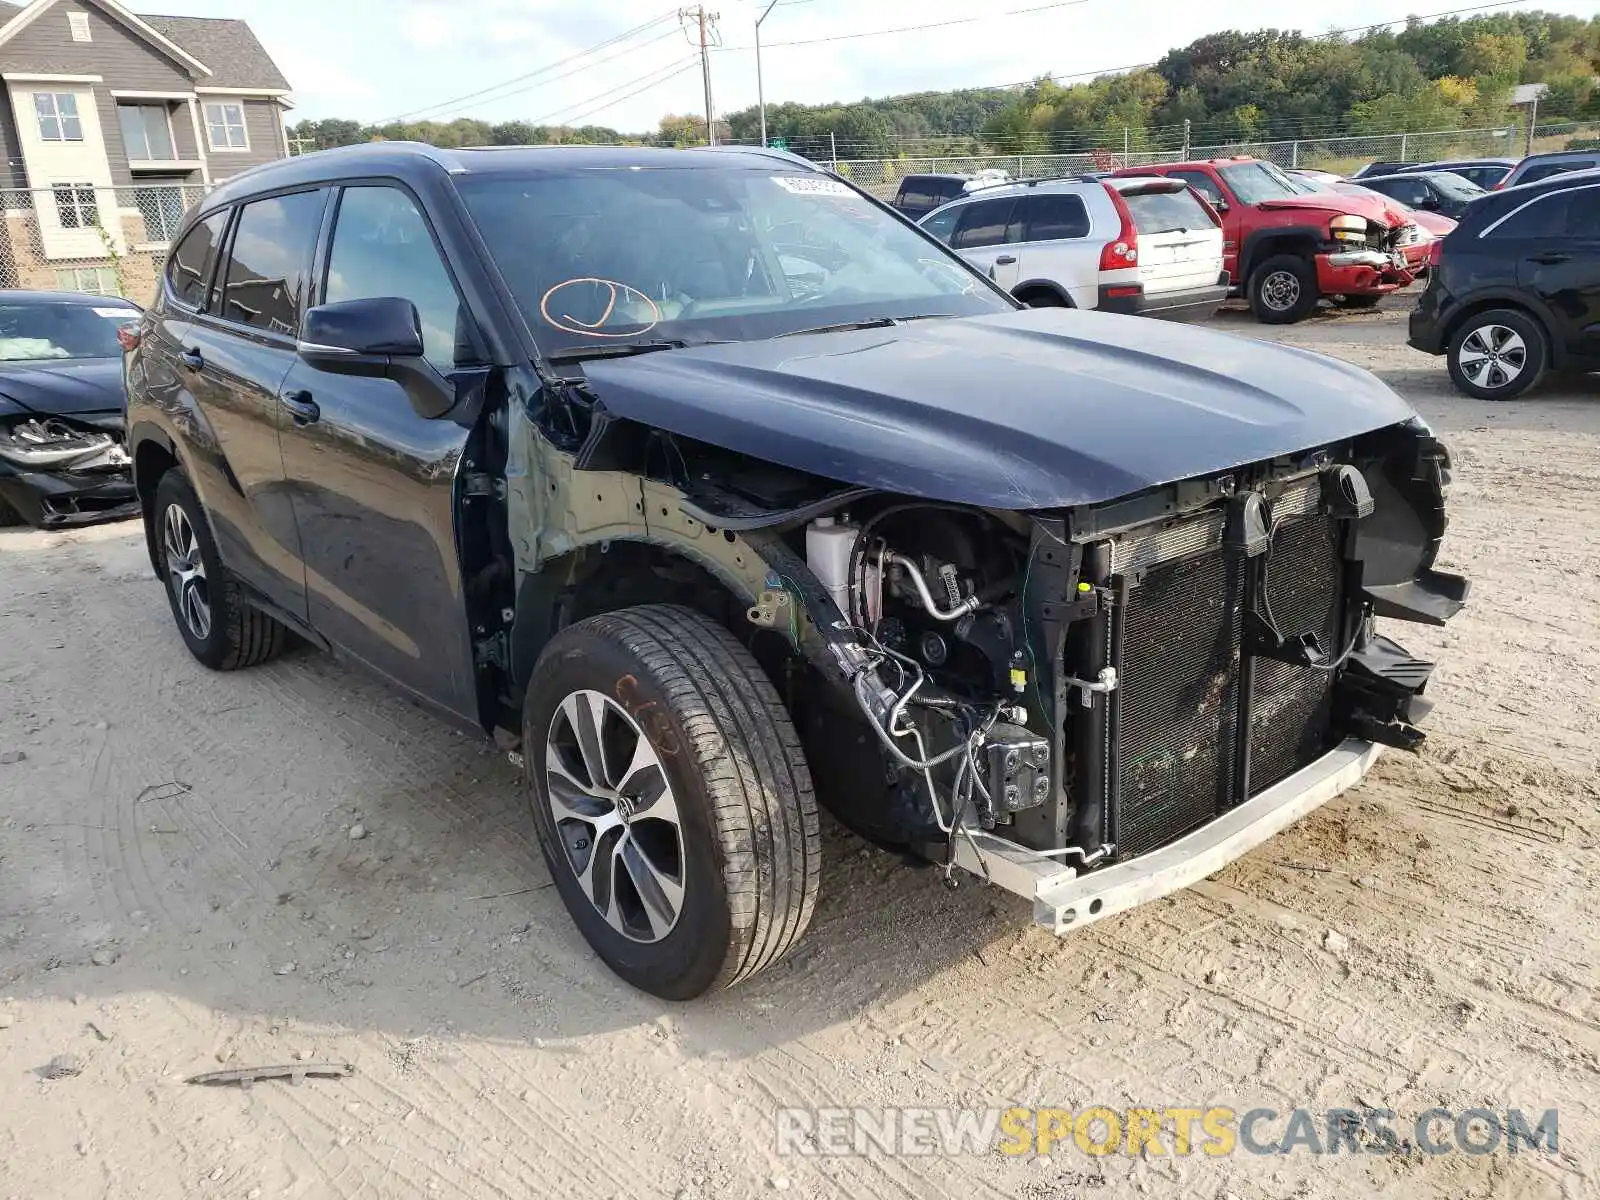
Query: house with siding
{"x": 111, "y": 124}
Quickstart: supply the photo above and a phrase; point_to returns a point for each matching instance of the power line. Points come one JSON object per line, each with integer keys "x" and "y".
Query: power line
{"x": 670, "y": 71}
{"x": 578, "y": 70}
{"x": 845, "y": 37}
{"x": 547, "y": 67}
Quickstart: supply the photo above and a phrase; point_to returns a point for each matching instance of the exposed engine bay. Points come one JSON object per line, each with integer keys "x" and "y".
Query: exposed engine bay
{"x": 1093, "y": 685}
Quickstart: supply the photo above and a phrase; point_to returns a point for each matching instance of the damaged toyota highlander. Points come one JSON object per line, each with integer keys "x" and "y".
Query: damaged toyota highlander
{"x": 714, "y": 490}
{"x": 62, "y": 461}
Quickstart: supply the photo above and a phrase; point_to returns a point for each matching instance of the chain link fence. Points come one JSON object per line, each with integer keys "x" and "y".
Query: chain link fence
{"x": 1341, "y": 155}
{"x": 107, "y": 241}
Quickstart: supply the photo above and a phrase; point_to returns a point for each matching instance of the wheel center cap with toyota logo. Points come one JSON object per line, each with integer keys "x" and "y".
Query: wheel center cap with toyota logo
{"x": 625, "y": 807}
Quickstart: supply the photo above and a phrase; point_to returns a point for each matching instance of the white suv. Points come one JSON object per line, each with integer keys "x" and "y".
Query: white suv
{"x": 1130, "y": 245}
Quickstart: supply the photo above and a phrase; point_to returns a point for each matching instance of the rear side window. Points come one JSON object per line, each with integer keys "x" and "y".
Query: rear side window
{"x": 1167, "y": 212}
{"x": 189, "y": 268}
{"x": 1407, "y": 191}
{"x": 1200, "y": 182}
{"x": 1050, "y": 218}
{"x": 983, "y": 224}
{"x": 945, "y": 190}
{"x": 1545, "y": 170}
{"x": 269, "y": 263}
{"x": 1574, "y": 214}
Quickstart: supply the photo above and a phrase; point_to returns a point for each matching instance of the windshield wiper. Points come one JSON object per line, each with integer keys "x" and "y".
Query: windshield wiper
{"x": 865, "y": 323}
{"x": 620, "y": 349}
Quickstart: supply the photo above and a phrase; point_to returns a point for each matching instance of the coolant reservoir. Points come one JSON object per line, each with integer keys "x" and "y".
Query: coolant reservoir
{"x": 829, "y": 544}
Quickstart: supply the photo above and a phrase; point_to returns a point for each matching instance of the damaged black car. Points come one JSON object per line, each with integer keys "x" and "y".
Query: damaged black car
{"x": 62, "y": 459}
{"x": 714, "y": 490}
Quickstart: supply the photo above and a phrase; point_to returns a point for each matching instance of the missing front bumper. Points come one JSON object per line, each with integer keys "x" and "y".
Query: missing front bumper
{"x": 1065, "y": 898}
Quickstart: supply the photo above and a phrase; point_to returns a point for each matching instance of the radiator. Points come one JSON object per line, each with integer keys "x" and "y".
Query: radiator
{"x": 1177, "y": 729}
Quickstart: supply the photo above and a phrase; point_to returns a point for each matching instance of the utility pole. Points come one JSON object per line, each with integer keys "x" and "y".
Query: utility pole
{"x": 1186, "y": 139}
{"x": 1533, "y": 119}
{"x": 706, "y": 24}
{"x": 761, "y": 95}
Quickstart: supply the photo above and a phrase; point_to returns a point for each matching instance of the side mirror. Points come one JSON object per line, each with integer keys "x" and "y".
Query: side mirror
{"x": 1431, "y": 203}
{"x": 1220, "y": 204}
{"x": 379, "y": 337}
{"x": 339, "y": 337}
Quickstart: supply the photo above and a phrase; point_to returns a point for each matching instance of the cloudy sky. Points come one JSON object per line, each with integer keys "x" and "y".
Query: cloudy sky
{"x": 379, "y": 59}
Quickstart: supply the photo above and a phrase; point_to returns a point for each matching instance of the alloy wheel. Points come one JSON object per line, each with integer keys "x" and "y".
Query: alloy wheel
{"x": 1280, "y": 291}
{"x": 188, "y": 571}
{"x": 1492, "y": 356}
{"x": 615, "y": 816}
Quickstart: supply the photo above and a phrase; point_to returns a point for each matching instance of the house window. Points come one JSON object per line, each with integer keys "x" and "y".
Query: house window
{"x": 75, "y": 205}
{"x": 79, "y": 24}
{"x": 162, "y": 210}
{"x": 58, "y": 116}
{"x": 146, "y": 132}
{"x": 225, "y": 127}
{"x": 97, "y": 281}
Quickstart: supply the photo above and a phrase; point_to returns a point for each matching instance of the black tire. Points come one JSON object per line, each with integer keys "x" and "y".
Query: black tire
{"x": 8, "y": 515}
{"x": 235, "y": 635}
{"x": 748, "y": 859}
{"x": 1043, "y": 298}
{"x": 1356, "y": 302}
{"x": 1283, "y": 289}
{"x": 1524, "y": 355}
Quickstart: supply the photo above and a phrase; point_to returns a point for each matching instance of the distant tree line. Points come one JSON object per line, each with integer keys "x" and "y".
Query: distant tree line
{"x": 1231, "y": 86}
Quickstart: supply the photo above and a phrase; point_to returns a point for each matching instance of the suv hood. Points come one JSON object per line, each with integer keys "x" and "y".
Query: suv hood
{"x": 1039, "y": 408}
{"x": 1339, "y": 202}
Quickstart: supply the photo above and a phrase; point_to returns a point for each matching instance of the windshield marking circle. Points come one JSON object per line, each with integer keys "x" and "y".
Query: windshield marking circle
{"x": 569, "y": 323}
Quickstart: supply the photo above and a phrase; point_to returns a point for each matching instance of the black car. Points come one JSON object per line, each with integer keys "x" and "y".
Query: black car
{"x": 62, "y": 460}
{"x": 720, "y": 491}
{"x": 919, "y": 195}
{"x": 1487, "y": 173}
{"x": 1432, "y": 191}
{"x": 1558, "y": 162}
{"x": 1515, "y": 288}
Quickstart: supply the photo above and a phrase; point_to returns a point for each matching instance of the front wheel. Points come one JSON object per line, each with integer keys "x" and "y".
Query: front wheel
{"x": 1283, "y": 289}
{"x": 1498, "y": 355}
{"x": 671, "y": 799}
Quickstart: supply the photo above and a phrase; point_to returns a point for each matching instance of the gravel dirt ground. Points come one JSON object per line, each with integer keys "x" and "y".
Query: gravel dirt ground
{"x": 181, "y": 891}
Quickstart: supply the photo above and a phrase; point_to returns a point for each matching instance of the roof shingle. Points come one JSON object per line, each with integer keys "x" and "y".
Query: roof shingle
{"x": 228, "y": 47}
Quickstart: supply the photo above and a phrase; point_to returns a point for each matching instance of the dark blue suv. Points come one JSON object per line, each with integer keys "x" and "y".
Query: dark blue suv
{"x": 702, "y": 476}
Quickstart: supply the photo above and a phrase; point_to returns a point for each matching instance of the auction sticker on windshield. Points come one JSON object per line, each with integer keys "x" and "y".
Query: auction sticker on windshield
{"x": 805, "y": 185}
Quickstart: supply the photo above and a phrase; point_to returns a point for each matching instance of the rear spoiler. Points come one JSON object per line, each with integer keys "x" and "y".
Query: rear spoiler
{"x": 1144, "y": 185}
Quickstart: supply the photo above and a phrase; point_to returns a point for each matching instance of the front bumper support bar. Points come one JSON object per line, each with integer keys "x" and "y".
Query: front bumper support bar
{"x": 1065, "y": 898}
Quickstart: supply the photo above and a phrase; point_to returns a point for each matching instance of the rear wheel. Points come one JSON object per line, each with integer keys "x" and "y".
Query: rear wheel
{"x": 671, "y": 799}
{"x": 1498, "y": 355}
{"x": 220, "y": 629}
{"x": 1283, "y": 289}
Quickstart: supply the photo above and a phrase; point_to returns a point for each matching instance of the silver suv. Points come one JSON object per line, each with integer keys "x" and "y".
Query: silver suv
{"x": 1132, "y": 245}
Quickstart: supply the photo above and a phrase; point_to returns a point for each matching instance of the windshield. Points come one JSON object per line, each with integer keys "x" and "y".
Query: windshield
{"x": 1258, "y": 181}
{"x": 1167, "y": 212}
{"x": 605, "y": 257}
{"x": 1455, "y": 186}
{"x": 49, "y": 331}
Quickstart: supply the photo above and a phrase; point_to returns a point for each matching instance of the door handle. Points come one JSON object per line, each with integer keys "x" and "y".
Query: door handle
{"x": 1551, "y": 258}
{"x": 303, "y": 410}
{"x": 1006, "y": 260}
{"x": 192, "y": 358}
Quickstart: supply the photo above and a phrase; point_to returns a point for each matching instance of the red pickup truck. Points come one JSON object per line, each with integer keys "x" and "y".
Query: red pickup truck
{"x": 1286, "y": 248}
